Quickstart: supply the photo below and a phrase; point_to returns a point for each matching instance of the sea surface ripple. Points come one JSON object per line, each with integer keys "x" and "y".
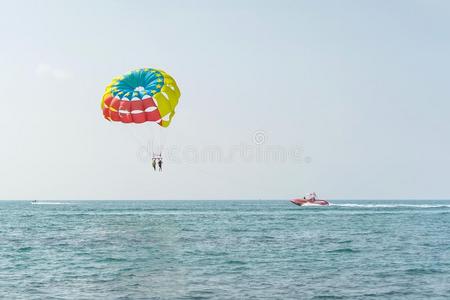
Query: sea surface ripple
{"x": 224, "y": 250}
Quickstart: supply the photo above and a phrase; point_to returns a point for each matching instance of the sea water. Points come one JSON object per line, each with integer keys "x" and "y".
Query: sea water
{"x": 224, "y": 250}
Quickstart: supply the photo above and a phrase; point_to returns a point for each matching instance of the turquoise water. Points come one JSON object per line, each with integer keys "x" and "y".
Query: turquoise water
{"x": 224, "y": 250}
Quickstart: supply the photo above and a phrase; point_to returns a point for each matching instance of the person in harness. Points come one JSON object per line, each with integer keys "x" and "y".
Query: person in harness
{"x": 160, "y": 163}
{"x": 154, "y": 163}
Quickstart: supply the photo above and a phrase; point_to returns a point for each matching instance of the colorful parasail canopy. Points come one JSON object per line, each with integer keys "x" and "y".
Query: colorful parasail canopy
{"x": 143, "y": 95}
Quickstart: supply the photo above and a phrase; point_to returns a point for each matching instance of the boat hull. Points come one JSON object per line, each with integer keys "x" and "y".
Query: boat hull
{"x": 304, "y": 202}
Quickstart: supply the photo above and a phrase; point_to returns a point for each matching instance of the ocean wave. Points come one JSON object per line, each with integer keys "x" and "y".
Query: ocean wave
{"x": 342, "y": 250}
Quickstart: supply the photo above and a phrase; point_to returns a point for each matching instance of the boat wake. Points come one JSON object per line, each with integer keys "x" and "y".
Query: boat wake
{"x": 51, "y": 203}
{"x": 390, "y": 205}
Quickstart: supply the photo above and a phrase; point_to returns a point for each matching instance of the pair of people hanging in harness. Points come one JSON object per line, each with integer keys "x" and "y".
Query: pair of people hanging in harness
{"x": 157, "y": 160}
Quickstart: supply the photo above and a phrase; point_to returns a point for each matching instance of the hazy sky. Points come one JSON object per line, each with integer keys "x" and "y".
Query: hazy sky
{"x": 355, "y": 94}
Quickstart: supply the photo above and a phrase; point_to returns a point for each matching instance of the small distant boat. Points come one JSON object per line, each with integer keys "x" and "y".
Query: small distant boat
{"x": 310, "y": 200}
{"x": 34, "y": 201}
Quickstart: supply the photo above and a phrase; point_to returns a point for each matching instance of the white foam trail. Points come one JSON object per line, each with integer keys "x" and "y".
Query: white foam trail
{"x": 390, "y": 205}
{"x": 50, "y": 203}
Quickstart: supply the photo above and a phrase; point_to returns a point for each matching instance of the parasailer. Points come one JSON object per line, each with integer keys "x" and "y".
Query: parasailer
{"x": 154, "y": 163}
{"x": 144, "y": 95}
{"x": 160, "y": 164}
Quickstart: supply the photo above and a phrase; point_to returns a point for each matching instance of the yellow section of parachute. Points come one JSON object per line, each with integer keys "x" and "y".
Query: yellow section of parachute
{"x": 167, "y": 99}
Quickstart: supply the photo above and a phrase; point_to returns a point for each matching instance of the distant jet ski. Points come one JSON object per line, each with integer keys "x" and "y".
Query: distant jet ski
{"x": 310, "y": 200}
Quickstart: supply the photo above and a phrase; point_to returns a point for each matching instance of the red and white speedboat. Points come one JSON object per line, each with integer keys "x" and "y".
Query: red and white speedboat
{"x": 310, "y": 200}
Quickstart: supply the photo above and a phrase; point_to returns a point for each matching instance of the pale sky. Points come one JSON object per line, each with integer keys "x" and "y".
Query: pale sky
{"x": 359, "y": 89}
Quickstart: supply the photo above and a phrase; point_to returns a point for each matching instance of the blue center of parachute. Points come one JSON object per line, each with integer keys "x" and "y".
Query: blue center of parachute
{"x": 138, "y": 83}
